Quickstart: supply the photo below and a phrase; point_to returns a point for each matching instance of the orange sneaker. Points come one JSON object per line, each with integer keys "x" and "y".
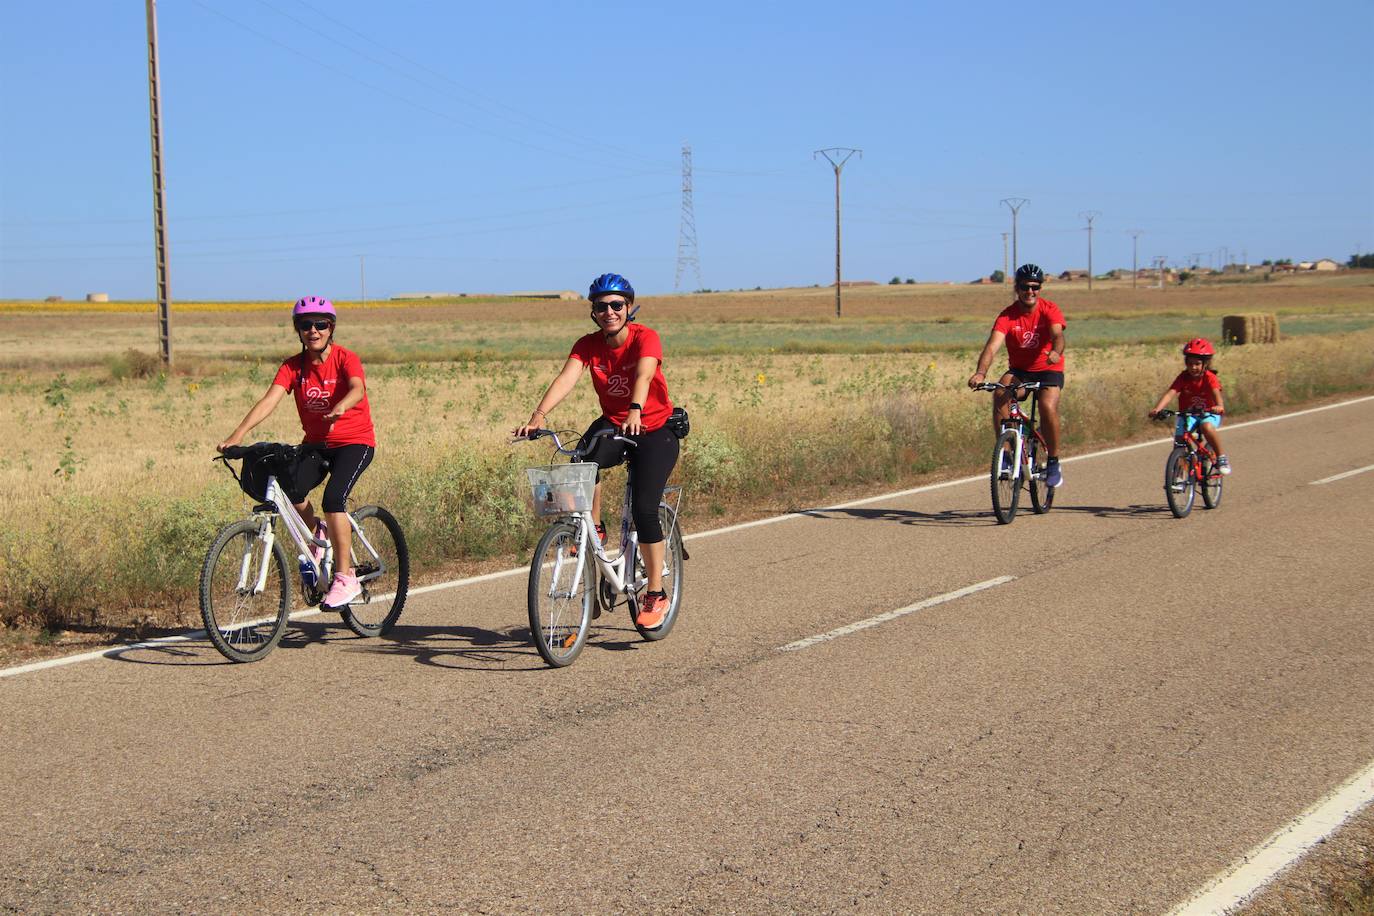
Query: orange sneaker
{"x": 651, "y": 610}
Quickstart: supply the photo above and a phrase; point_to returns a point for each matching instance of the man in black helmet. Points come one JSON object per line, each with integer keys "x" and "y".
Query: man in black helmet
{"x": 1033, "y": 330}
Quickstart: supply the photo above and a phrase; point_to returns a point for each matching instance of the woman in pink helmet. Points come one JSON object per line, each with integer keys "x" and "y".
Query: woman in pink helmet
{"x": 331, "y": 399}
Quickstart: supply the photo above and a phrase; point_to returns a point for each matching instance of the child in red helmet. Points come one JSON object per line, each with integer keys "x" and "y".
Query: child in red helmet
{"x": 1198, "y": 386}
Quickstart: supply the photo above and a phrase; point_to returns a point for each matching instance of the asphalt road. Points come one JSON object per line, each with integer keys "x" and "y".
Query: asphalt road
{"x": 1146, "y": 700}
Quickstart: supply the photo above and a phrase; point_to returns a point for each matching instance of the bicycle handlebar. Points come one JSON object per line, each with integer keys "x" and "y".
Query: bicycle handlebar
{"x": 1191, "y": 411}
{"x": 580, "y": 451}
{"x": 998, "y": 386}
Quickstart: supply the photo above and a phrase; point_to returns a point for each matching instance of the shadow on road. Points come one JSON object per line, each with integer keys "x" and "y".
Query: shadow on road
{"x": 478, "y": 649}
{"x": 982, "y": 517}
{"x": 299, "y": 634}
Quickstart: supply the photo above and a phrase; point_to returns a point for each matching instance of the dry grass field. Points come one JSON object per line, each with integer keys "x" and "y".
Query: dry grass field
{"x": 108, "y": 496}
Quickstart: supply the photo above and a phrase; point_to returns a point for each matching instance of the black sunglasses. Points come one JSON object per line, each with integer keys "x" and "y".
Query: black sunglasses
{"x": 319, "y": 324}
{"x": 1028, "y": 286}
{"x": 615, "y": 306}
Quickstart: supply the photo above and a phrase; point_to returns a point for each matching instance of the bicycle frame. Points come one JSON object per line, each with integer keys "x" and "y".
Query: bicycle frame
{"x": 278, "y": 504}
{"x": 618, "y": 572}
{"x": 1019, "y": 423}
{"x": 1196, "y": 443}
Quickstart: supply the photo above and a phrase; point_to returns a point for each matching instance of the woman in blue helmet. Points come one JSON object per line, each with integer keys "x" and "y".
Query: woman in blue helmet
{"x": 625, "y": 360}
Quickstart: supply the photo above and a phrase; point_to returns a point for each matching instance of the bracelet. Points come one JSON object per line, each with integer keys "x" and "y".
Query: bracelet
{"x": 634, "y": 406}
{"x": 541, "y": 413}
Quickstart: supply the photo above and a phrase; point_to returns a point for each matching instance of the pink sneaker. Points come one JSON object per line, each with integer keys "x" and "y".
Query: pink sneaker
{"x": 651, "y": 610}
{"x": 321, "y": 534}
{"x": 342, "y": 590}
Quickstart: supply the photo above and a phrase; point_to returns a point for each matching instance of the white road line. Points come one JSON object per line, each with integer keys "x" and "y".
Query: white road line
{"x": 1335, "y": 477}
{"x": 728, "y": 529}
{"x": 1285, "y": 846}
{"x": 893, "y": 615}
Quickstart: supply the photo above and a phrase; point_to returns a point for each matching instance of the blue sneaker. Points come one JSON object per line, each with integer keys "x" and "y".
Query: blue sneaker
{"x": 1053, "y": 476}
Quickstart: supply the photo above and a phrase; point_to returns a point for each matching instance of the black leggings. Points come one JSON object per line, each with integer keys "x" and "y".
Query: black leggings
{"x": 651, "y": 460}
{"x": 344, "y": 464}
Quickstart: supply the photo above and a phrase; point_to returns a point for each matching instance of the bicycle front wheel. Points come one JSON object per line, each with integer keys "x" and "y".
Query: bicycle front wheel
{"x": 672, "y": 574}
{"x": 385, "y": 576}
{"x": 560, "y": 601}
{"x": 1006, "y": 489}
{"x": 244, "y": 622}
{"x": 1041, "y": 493}
{"x": 1211, "y": 483}
{"x": 1179, "y": 486}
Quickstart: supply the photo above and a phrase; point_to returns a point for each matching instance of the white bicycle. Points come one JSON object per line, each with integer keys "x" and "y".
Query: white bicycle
{"x": 573, "y": 580}
{"x": 245, "y": 584}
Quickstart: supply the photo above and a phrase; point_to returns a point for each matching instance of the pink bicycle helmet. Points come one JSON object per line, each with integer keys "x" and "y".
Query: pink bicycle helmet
{"x": 314, "y": 305}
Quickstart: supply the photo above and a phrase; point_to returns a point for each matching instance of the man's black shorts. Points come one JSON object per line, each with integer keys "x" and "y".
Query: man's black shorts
{"x": 1046, "y": 379}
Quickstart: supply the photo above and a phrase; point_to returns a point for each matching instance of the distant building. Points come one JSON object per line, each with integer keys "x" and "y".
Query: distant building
{"x": 1070, "y": 275}
{"x": 845, "y": 284}
{"x": 1325, "y": 264}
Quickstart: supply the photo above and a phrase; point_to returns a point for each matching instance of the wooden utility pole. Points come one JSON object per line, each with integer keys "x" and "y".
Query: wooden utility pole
{"x": 164, "y": 318}
{"x": 837, "y": 157}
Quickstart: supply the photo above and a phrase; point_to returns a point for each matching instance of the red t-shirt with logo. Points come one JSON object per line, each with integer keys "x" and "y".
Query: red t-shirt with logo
{"x": 318, "y": 387}
{"x": 613, "y": 374}
{"x": 1197, "y": 392}
{"x": 1028, "y": 335}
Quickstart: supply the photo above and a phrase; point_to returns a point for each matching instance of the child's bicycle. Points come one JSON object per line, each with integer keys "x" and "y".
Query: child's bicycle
{"x": 573, "y": 579}
{"x": 1019, "y": 456}
{"x": 245, "y": 582}
{"x": 1191, "y": 465}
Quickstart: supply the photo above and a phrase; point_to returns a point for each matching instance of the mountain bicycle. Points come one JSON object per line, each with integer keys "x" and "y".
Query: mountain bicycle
{"x": 245, "y": 581}
{"x": 1020, "y": 455}
{"x": 1192, "y": 465}
{"x": 573, "y": 579}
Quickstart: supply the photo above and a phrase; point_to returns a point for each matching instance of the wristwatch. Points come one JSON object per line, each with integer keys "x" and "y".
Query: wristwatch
{"x": 634, "y": 406}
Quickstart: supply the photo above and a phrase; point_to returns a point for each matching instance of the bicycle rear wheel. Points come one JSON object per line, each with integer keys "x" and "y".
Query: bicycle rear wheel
{"x": 1041, "y": 493}
{"x": 244, "y": 624}
{"x": 672, "y": 574}
{"x": 385, "y": 577}
{"x": 1211, "y": 483}
{"x": 1006, "y": 489}
{"x": 560, "y": 613}
{"x": 1179, "y": 486}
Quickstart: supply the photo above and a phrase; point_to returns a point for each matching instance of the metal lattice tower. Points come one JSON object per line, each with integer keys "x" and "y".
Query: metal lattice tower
{"x": 687, "y": 232}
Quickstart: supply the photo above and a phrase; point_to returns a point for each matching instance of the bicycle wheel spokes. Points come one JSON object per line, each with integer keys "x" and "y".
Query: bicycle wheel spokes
{"x": 1041, "y": 493}
{"x": 1212, "y": 480}
{"x": 244, "y": 607}
{"x": 1006, "y": 488}
{"x": 1179, "y": 486}
{"x": 384, "y": 576}
{"x": 560, "y": 599}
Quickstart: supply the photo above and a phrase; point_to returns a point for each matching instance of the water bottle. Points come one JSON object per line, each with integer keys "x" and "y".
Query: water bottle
{"x": 308, "y": 576}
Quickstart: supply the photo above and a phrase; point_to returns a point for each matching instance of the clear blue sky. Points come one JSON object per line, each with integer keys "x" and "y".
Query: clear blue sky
{"x": 489, "y": 147}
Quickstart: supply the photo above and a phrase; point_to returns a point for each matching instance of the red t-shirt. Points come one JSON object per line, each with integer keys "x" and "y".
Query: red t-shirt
{"x": 1028, "y": 335}
{"x": 613, "y": 374}
{"x": 1196, "y": 392}
{"x": 318, "y": 388}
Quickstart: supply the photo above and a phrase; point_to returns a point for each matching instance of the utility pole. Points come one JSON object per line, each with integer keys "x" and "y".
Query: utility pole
{"x": 1005, "y": 274}
{"x": 1090, "y": 215}
{"x": 837, "y": 157}
{"x": 687, "y": 229}
{"x": 1160, "y": 261}
{"x": 164, "y": 316}
{"x": 362, "y": 278}
{"x": 1135, "y": 247}
{"x": 1014, "y": 204}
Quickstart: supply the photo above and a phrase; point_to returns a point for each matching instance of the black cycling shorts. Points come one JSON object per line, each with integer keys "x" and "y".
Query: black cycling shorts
{"x": 1047, "y": 379}
{"x": 344, "y": 464}
{"x": 652, "y": 460}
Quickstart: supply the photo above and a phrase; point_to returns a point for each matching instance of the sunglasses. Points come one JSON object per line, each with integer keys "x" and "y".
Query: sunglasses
{"x": 1028, "y": 286}
{"x": 322, "y": 324}
{"x": 616, "y": 306}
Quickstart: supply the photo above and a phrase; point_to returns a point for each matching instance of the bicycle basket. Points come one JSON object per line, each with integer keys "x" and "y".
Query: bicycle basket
{"x": 561, "y": 489}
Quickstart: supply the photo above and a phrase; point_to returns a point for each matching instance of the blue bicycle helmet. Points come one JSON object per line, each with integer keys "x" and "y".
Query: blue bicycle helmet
{"x": 611, "y": 283}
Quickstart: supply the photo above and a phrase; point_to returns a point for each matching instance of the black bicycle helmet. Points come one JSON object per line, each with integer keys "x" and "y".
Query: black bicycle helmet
{"x": 1030, "y": 273}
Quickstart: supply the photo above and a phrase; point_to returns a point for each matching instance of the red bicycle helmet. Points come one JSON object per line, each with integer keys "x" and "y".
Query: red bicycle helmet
{"x": 1199, "y": 346}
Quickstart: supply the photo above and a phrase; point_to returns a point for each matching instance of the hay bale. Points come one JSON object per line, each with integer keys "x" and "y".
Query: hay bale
{"x": 1249, "y": 329}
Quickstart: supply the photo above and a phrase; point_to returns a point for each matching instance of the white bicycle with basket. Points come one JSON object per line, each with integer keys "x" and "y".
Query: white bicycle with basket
{"x": 573, "y": 579}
